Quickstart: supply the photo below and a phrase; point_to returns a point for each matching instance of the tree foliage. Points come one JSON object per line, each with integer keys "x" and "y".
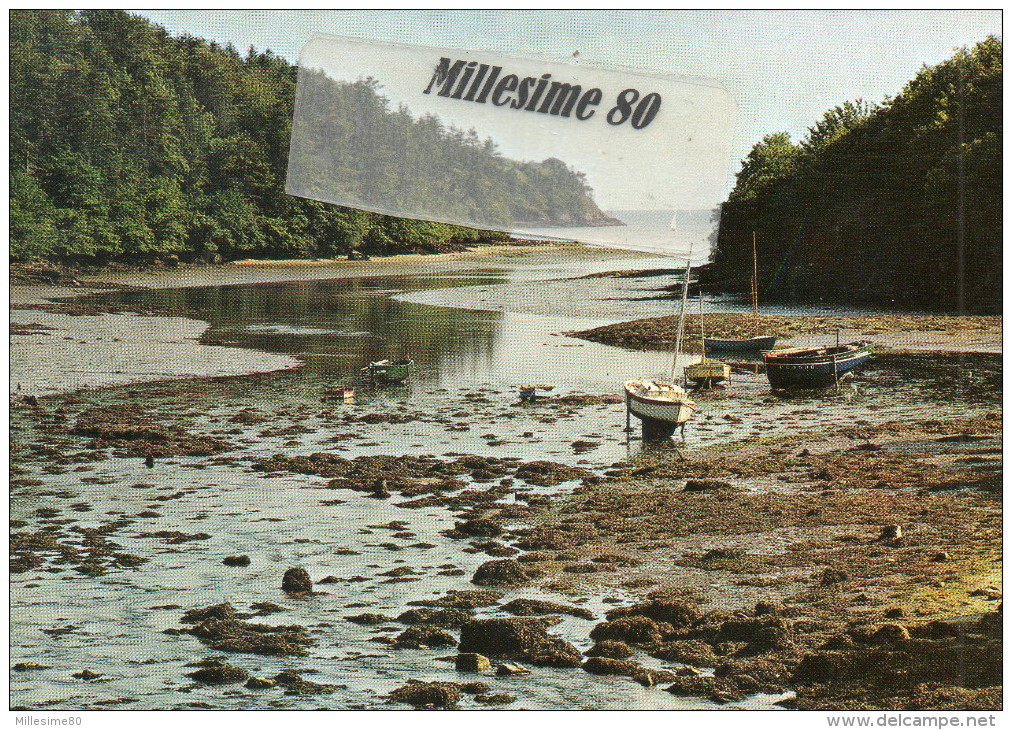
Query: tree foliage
{"x": 128, "y": 142}
{"x": 897, "y": 203}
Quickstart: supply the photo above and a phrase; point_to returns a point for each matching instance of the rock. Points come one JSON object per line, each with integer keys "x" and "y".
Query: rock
{"x": 421, "y": 635}
{"x": 462, "y": 599}
{"x": 472, "y": 663}
{"x": 635, "y": 630}
{"x": 296, "y": 685}
{"x": 610, "y": 649}
{"x": 680, "y": 614}
{"x": 29, "y": 667}
{"x": 428, "y": 694}
{"x": 510, "y": 669}
{"x": 555, "y": 653}
{"x": 500, "y": 698}
{"x": 939, "y": 557}
{"x": 697, "y": 653}
{"x": 894, "y": 613}
{"x": 890, "y": 634}
{"x": 447, "y": 618}
{"x": 652, "y": 677}
{"x": 478, "y": 528}
{"x": 259, "y": 683}
{"x": 86, "y": 674}
{"x": 891, "y": 532}
{"x": 536, "y": 607}
{"x": 762, "y": 634}
{"x": 149, "y": 461}
{"x": 237, "y": 561}
{"x": 603, "y": 665}
{"x": 475, "y": 688}
{"x": 500, "y": 573}
{"x": 370, "y": 619}
{"x": 219, "y": 610}
{"x": 215, "y": 671}
{"x": 518, "y": 638}
{"x": 220, "y": 628}
{"x": 296, "y": 580}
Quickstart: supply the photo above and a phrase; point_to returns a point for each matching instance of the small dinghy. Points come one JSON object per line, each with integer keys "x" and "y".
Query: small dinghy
{"x": 387, "y": 371}
{"x": 661, "y": 406}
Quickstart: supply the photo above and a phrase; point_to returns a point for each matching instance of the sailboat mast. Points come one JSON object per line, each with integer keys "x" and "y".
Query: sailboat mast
{"x": 755, "y": 286}
{"x": 681, "y": 314}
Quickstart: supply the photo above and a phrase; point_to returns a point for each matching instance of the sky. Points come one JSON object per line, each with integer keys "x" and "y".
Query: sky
{"x": 783, "y": 68}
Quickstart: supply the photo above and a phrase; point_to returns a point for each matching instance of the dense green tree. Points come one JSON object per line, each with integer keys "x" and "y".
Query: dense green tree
{"x": 897, "y": 204}
{"x": 126, "y": 142}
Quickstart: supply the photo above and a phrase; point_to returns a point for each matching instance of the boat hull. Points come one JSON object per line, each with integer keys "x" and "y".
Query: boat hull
{"x": 707, "y": 373}
{"x": 752, "y": 344}
{"x": 390, "y": 373}
{"x": 660, "y": 416}
{"x": 809, "y": 370}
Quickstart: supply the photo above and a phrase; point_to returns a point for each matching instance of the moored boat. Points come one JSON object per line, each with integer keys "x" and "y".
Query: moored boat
{"x": 661, "y": 406}
{"x": 758, "y": 344}
{"x": 813, "y": 368}
{"x": 387, "y": 371}
{"x": 753, "y": 345}
{"x": 706, "y": 373}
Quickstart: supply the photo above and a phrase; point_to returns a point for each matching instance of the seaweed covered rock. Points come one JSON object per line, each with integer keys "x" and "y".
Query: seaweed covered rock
{"x": 296, "y": 580}
{"x": 500, "y": 573}
{"x": 296, "y": 685}
{"x": 678, "y": 613}
{"x": 216, "y": 671}
{"x": 610, "y": 649}
{"x": 447, "y": 618}
{"x": 537, "y": 607}
{"x": 462, "y": 599}
{"x": 427, "y": 694}
{"x": 422, "y": 635}
{"x": 635, "y": 630}
{"x": 603, "y": 665}
{"x": 762, "y": 634}
{"x": 518, "y": 638}
{"x": 220, "y": 628}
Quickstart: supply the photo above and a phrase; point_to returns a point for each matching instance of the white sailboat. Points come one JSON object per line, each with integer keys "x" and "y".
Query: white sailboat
{"x": 660, "y": 404}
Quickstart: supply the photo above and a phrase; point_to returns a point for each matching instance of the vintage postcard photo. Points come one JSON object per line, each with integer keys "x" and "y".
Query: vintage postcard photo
{"x": 506, "y": 360}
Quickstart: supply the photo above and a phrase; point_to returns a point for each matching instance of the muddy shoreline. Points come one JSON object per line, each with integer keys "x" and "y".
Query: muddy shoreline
{"x": 825, "y": 566}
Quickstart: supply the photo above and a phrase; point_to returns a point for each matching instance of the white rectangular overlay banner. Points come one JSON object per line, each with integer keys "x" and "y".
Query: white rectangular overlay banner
{"x": 621, "y": 159}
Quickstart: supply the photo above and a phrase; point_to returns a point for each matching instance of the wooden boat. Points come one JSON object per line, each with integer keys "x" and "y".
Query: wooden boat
{"x": 386, "y": 371}
{"x": 813, "y": 368}
{"x": 706, "y": 373}
{"x": 754, "y": 345}
{"x": 660, "y": 405}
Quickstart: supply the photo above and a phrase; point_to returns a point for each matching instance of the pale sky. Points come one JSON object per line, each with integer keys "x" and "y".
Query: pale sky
{"x": 784, "y": 68}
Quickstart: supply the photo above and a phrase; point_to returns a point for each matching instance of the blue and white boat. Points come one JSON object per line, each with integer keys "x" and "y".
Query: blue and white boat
{"x": 813, "y": 368}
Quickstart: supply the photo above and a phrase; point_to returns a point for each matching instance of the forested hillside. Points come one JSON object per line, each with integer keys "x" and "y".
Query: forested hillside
{"x": 129, "y": 143}
{"x": 350, "y": 145}
{"x": 898, "y": 203}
